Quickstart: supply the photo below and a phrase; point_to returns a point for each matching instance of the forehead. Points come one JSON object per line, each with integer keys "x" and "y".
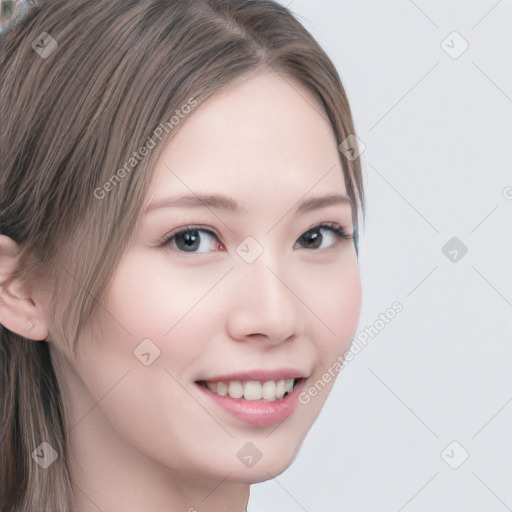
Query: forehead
{"x": 265, "y": 138}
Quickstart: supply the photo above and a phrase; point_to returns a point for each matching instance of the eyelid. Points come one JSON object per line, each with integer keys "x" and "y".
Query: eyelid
{"x": 333, "y": 225}
{"x": 184, "y": 229}
{"x": 337, "y": 228}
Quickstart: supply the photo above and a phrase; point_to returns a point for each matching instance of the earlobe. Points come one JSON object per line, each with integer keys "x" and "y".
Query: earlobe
{"x": 19, "y": 311}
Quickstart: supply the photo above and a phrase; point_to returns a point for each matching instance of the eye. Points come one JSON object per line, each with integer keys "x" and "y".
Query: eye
{"x": 314, "y": 237}
{"x": 191, "y": 239}
{"x": 197, "y": 240}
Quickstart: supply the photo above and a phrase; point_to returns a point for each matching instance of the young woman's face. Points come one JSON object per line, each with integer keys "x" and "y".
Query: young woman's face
{"x": 258, "y": 295}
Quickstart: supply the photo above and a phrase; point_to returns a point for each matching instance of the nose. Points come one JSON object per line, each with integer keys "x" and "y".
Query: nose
{"x": 265, "y": 304}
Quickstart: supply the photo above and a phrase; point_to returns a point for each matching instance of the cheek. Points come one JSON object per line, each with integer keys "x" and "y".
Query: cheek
{"x": 152, "y": 296}
{"x": 336, "y": 301}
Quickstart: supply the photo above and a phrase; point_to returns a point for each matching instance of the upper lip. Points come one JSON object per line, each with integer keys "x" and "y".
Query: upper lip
{"x": 260, "y": 375}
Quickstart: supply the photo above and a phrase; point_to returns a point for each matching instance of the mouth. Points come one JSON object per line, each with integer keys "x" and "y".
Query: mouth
{"x": 255, "y": 402}
{"x": 252, "y": 390}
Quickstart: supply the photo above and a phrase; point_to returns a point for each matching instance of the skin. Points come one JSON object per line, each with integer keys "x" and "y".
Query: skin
{"x": 146, "y": 437}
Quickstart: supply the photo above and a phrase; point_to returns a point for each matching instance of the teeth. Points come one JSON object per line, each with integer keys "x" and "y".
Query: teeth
{"x": 269, "y": 390}
{"x": 280, "y": 388}
{"x": 288, "y": 385}
{"x": 252, "y": 390}
{"x": 236, "y": 389}
{"x": 222, "y": 388}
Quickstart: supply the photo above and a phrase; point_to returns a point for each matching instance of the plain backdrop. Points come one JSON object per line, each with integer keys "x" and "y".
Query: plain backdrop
{"x": 421, "y": 418}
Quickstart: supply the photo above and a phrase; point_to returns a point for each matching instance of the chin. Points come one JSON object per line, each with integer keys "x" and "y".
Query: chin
{"x": 259, "y": 474}
{"x": 235, "y": 469}
{"x": 266, "y": 468}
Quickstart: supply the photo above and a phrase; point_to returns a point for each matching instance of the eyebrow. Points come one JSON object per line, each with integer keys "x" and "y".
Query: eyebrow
{"x": 220, "y": 202}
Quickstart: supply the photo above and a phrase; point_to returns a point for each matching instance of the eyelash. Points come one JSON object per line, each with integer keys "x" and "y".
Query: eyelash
{"x": 338, "y": 230}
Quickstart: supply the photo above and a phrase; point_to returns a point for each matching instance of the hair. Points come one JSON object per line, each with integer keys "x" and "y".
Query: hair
{"x": 120, "y": 69}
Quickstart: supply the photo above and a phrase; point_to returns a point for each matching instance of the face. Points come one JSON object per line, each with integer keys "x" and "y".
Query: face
{"x": 243, "y": 292}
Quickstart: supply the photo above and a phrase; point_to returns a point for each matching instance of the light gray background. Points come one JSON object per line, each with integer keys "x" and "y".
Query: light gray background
{"x": 437, "y": 164}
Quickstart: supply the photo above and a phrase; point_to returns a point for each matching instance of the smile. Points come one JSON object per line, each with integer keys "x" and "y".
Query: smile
{"x": 260, "y": 403}
{"x": 270, "y": 390}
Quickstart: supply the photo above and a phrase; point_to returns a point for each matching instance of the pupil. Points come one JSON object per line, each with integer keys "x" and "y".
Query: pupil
{"x": 313, "y": 236}
{"x": 189, "y": 238}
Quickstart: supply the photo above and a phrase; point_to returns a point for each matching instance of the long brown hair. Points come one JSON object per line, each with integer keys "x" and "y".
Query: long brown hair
{"x": 84, "y": 84}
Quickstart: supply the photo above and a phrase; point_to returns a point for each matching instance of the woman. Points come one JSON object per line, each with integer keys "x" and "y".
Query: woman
{"x": 179, "y": 218}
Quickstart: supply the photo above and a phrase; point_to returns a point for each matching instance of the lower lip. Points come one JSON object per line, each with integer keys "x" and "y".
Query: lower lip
{"x": 258, "y": 412}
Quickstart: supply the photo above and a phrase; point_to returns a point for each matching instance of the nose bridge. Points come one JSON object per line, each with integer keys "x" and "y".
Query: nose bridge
{"x": 265, "y": 277}
{"x": 265, "y": 303}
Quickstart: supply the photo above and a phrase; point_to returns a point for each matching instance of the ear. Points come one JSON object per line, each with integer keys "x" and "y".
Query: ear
{"x": 20, "y": 311}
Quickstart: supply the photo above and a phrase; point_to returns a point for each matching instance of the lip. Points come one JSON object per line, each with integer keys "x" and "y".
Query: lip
{"x": 261, "y": 375}
{"x": 258, "y": 412}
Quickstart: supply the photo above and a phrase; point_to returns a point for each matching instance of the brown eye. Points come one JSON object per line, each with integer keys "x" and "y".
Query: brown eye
{"x": 191, "y": 239}
{"x": 313, "y": 237}
{"x": 197, "y": 240}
